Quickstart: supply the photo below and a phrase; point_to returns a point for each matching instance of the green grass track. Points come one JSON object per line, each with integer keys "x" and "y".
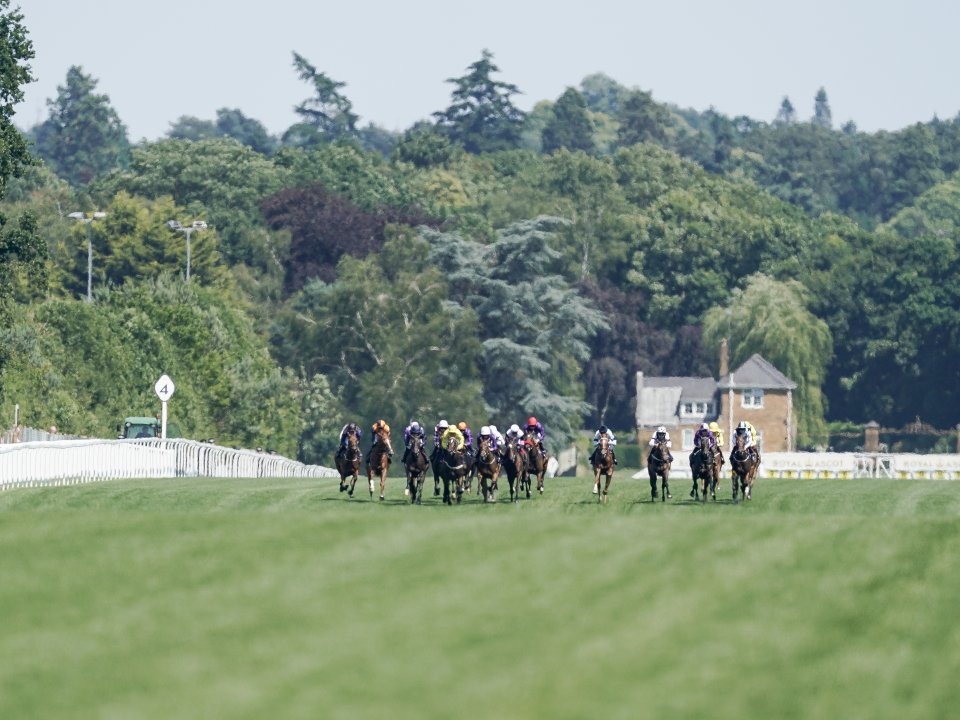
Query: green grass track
{"x": 283, "y": 599}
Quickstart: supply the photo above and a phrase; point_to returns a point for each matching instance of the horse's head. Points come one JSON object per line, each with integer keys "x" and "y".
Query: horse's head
{"x": 604, "y": 443}
{"x": 384, "y": 435}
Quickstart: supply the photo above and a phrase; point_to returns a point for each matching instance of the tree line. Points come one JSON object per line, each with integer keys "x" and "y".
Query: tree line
{"x": 485, "y": 263}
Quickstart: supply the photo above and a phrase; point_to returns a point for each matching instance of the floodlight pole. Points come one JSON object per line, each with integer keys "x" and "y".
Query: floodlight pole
{"x": 82, "y": 217}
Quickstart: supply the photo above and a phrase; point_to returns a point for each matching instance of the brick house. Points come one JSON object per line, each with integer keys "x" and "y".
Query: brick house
{"x": 756, "y": 391}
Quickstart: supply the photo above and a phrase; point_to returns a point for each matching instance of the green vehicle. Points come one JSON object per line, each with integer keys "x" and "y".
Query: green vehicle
{"x": 145, "y": 427}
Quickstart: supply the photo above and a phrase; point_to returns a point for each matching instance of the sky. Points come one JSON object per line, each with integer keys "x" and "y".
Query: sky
{"x": 884, "y": 64}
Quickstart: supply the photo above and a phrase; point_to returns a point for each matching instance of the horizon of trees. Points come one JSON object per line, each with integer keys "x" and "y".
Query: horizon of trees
{"x": 834, "y": 250}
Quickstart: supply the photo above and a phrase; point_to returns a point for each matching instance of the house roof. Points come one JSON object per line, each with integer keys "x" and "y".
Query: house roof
{"x": 756, "y": 373}
{"x": 659, "y": 398}
{"x": 691, "y": 388}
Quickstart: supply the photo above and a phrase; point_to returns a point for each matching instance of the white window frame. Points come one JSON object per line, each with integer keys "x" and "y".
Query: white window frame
{"x": 696, "y": 409}
{"x": 751, "y": 398}
{"x": 686, "y": 441}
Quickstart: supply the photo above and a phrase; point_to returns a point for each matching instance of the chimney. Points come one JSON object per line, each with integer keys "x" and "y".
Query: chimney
{"x": 724, "y": 358}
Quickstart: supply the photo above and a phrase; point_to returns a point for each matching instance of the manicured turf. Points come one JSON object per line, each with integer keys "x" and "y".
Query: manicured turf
{"x": 283, "y": 599}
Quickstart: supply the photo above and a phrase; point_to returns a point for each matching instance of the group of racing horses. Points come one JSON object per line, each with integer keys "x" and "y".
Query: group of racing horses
{"x": 705, "y": 468}
{"x": 456, "y": 466}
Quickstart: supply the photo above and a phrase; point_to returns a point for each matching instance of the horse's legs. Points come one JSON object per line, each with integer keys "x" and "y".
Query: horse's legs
{"x": 383, "y": 481}
{"x": 666, "y": 486}
{"x": 653, "y": 483}
{"x": 609, "y": 480}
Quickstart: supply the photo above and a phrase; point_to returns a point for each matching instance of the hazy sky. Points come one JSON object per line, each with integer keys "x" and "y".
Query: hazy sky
{"x": 885, "y": 64}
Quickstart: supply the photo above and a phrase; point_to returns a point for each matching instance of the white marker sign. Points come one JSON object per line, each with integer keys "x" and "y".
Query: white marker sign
{"x": 164, "y": 389}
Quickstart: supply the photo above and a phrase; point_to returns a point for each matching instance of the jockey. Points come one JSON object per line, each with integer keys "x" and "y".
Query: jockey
{"x": 661, "y": 434}
{"x": 704, "y": 430}
{"x": 747, "y": 430}
{"x": 438, "y": 431}
{"x": 496, "y": 437}
{"x": 350, "y": 427}
{"x": 514, "y": 434}
{"x": 467, "y": 434}
{"x": 536, "y": 427}
{"x": 378, "y": 427}
{"x": 601, "y": 431}
{"x": 452, "y": 432}
{"x": 414, "y": 429}
{"x": 718, "y": 434}
{"x": 485, "y": 435}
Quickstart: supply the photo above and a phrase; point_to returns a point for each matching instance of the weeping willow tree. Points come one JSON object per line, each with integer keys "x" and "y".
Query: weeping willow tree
{"x": 771, "y": 318}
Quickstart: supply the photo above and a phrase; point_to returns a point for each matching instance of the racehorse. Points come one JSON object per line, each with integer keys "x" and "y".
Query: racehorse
{"x": 515, "y": 464}
{"x": 658, "y": 464}
{"x": 487, "y": 468}
{"x": 435, "y": 465}
{"x": 416, "y": 466}
{"x": 602, "y": 461}
{"x": 453, "y": 470}
{"x": 536, "y": 462}
{"x": 744, "y": 465}
{"x": 703, "y": 467}
{"x": 379, "y": 459}
{"x": 348, "y": 462}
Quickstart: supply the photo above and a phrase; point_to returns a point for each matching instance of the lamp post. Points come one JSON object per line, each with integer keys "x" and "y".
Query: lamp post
{"x": 186, "y": 230}
{"x": 82, "y": 217}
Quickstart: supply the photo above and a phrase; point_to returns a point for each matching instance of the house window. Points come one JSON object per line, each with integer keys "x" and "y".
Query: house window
{"x": 753, "y": 397}
{"x": 688, "y": 440}
{"x": 696, "y": 409}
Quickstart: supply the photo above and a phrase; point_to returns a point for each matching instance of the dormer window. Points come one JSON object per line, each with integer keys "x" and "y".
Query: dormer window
{"x": 696, "y": 409}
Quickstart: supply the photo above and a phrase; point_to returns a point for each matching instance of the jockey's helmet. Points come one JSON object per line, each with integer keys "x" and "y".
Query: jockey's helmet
{"x": 484, "y": 431}
{"x": 443, "y": 424}
{"x": 704, "y": 426}
{"x": 661, "y": 429}
{"x": 603, "y": 430}
{"x": 461, "y": 426}
{"x": 514, "y": 429}
{"x": 531, "y": 421}
{"x": 414, "y": 426}
{"x": 714, "y": 426}
{"x": 742, "y": 425}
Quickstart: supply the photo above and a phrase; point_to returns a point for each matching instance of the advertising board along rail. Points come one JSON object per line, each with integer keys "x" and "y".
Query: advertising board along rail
{"x": 72, "y": 462}
{"x": 823, "y": 465}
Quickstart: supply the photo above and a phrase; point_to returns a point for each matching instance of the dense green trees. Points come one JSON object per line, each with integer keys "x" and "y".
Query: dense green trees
{"x": 231, "y": 123}
{"x": 533, "y": 326}
{"x": 772, "y": 318}
{"x": 385, "y": 337}
{"x": 16, "y": 51}
{"x": 85, "y": 366}
{"x": 327, "y": 116}
{"x": 570, "y": 125}
{"x": 481, "y": 116}
{"x": 487, "y": 265}
{"x": 83, "y": 136}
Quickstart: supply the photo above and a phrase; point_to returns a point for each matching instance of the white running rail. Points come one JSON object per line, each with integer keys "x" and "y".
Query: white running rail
{"x": 71, "y": 462}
